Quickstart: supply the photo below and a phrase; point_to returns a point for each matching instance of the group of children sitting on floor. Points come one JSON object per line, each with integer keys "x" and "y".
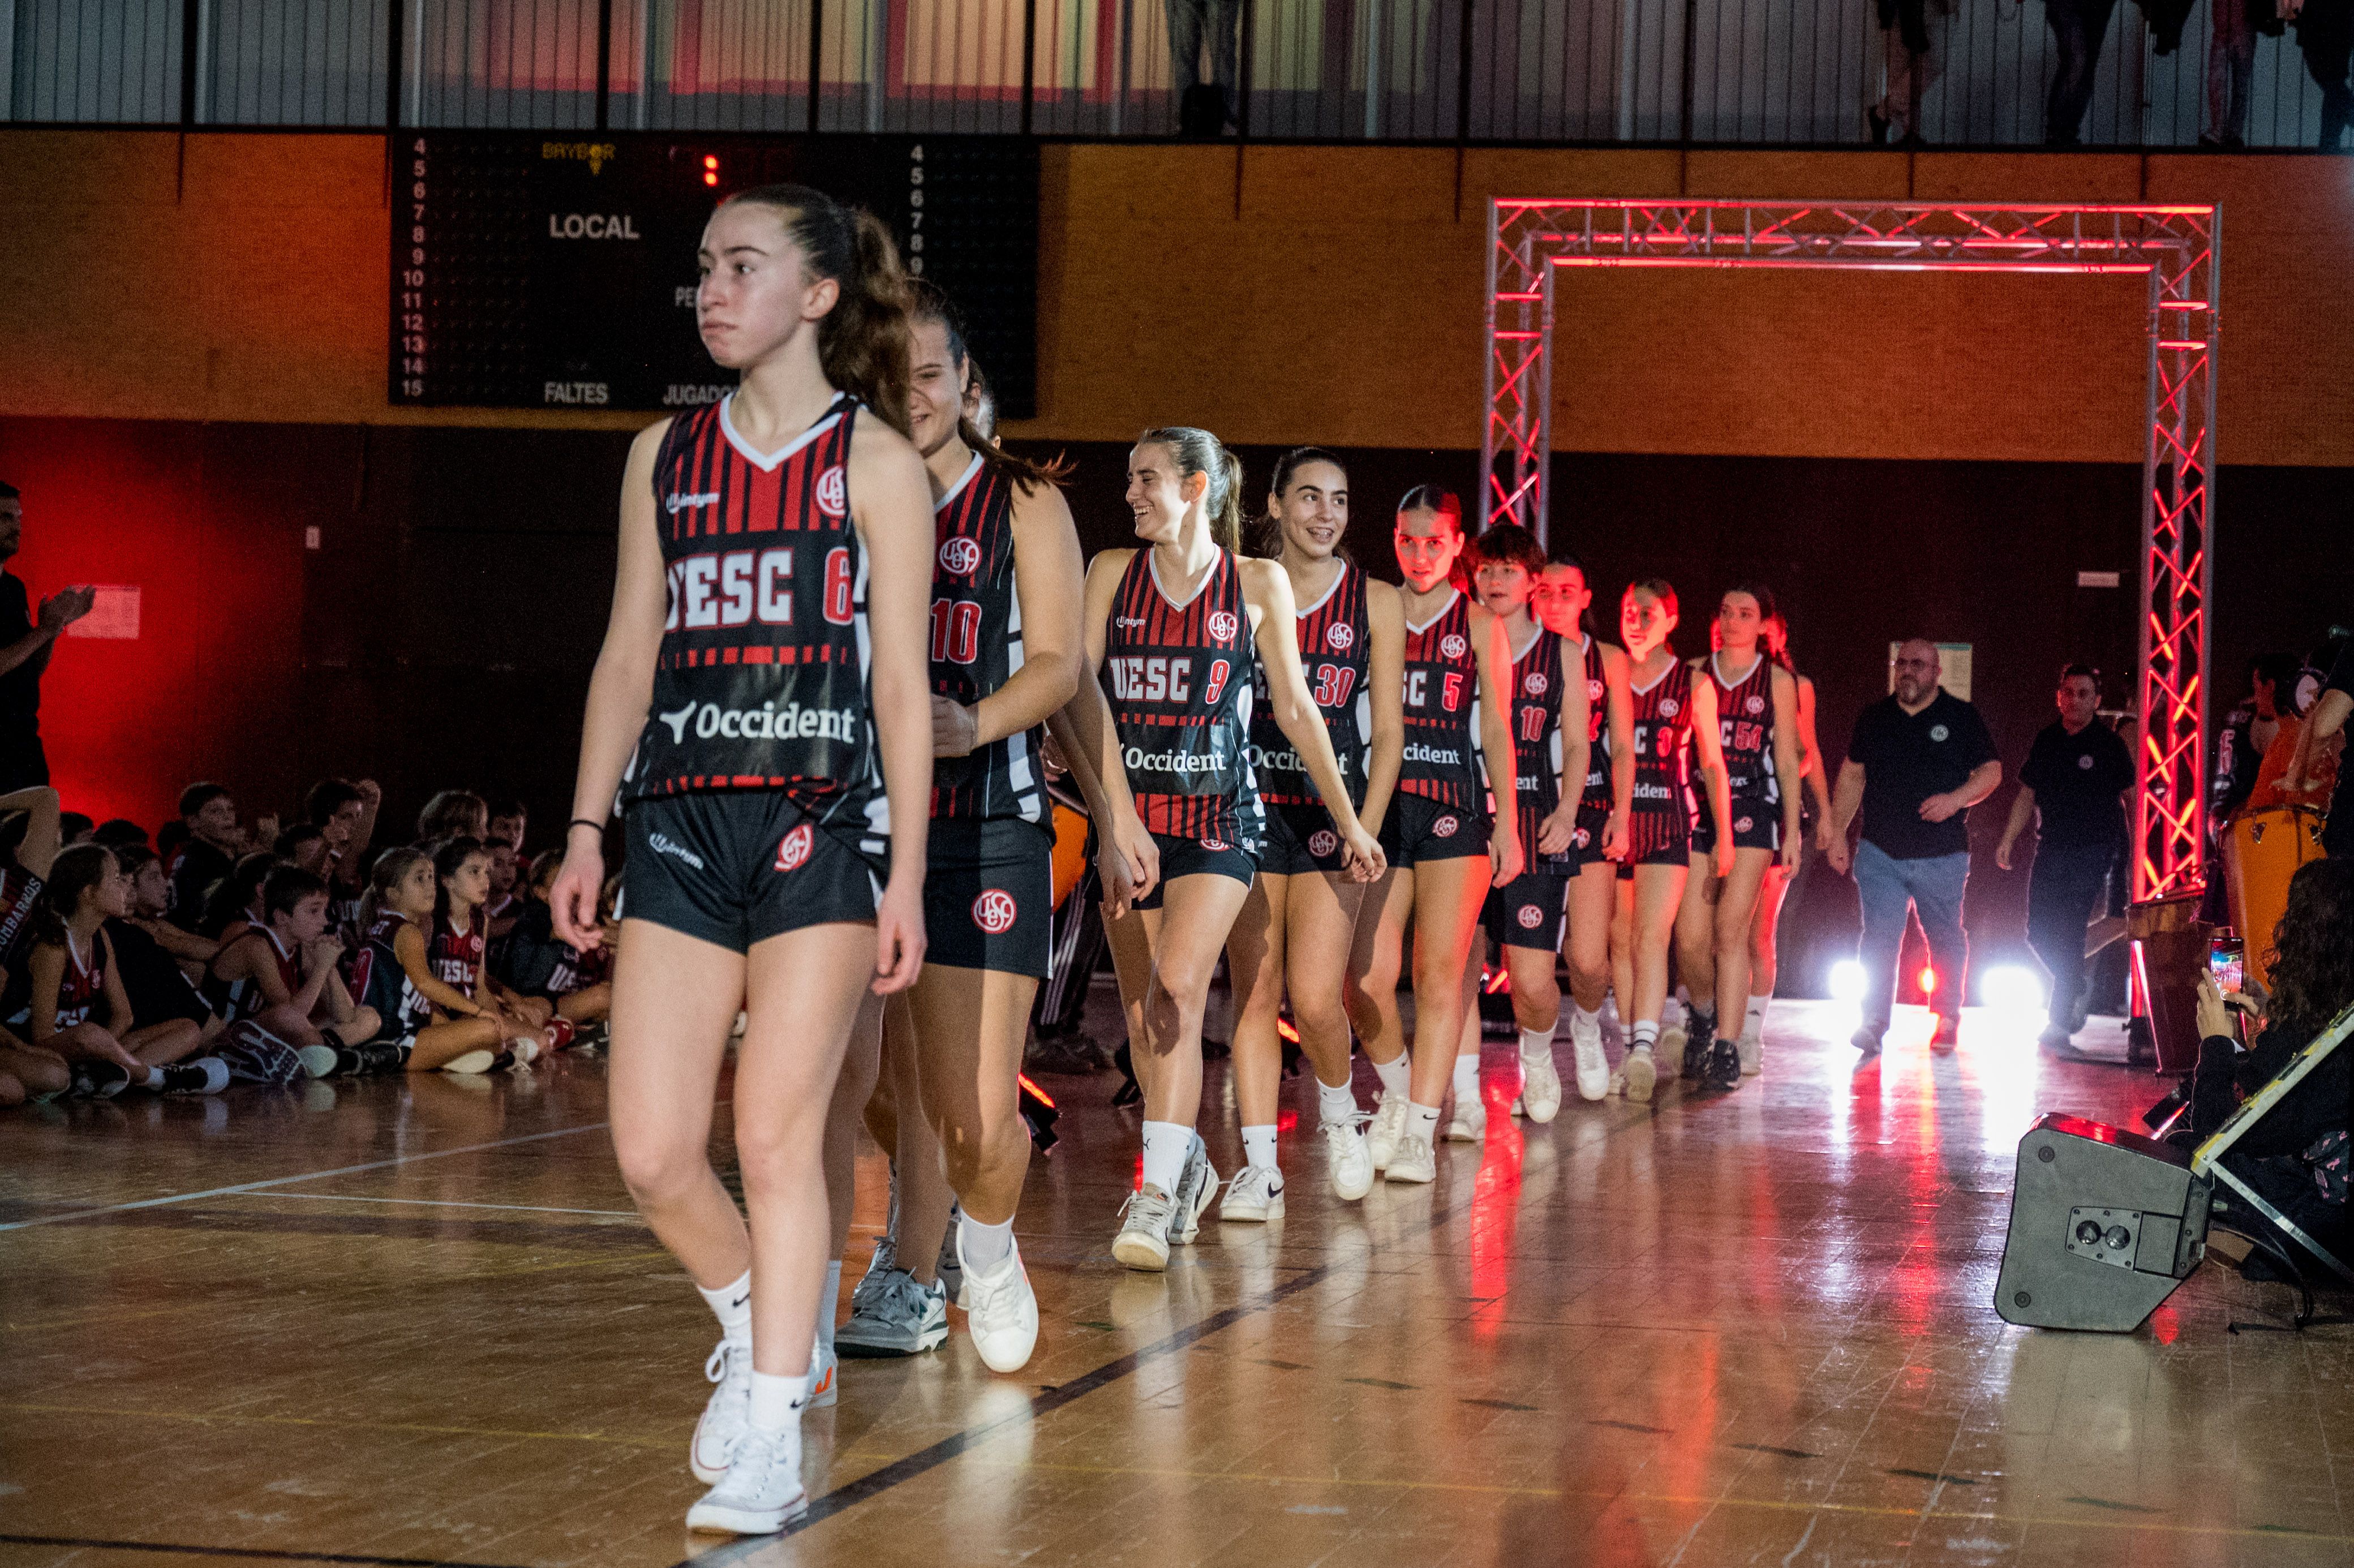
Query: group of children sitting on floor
{"x": 223, "y": 953}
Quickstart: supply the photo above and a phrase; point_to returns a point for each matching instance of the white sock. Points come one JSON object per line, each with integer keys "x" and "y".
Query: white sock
{"x": 777, "y": 1401}
{"x": 984, "y": 1246}
{"x": 1258, "y": 1147}
{"x": 1753, "y": 1019}
{"x": 825, "y": 1307}
{"x": 1536, "y": 1045}
{"x": 1467, "y": 1080}
{"x": 1395, "y": 1075}
{"x": 732, "y": 1305}
{"x": 1421, "y": 1121}
{"x": 1581, "y": 1019}
{"x": 1166, "y": 1145}
{"x": 1646, "y": 1035}
{"x": 1335, "y": 1102}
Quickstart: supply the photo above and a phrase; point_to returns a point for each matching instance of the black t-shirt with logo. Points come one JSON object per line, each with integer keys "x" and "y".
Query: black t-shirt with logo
{"x": 2077, "y": 780}
{"x": 1906, "y": 759}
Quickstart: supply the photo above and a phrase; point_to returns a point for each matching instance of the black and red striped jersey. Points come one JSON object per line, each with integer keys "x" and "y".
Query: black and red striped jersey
{"x": 243, "y": 998}
{"x": 1442, "y": 694}
{"x": 1598, "y": 729}
{"x": 1335, "y": 650}
{"x": 19, "y": 888}
{"x": 1662, "y": 741}
{"x": 1536, "y": 738}
{"x": 977, "y": 647}
{"x": 454, "y": 955}
{"x": 80, "y": 985}
{"x": 762, "y": 679}
{"x": 1745, "y": 723}
{"x": 1179, "y": 678}
{"x": 379, "y": 982}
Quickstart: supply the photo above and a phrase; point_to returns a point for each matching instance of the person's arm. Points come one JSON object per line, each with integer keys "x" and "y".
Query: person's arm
{"x": 408, "y": 947}
{"x": 1618, "y": 692}
{"x": 39, "y": 851}
{"x": 1708, "y": 742}
{"x": 2328, "y": 717}
{"x": 620, "y": 690}
{"x": 1089, "y": 717}
{"x": 120, "y": 1020}
{"x": 1788, "y": 767}
{"x": 46, "y": 965}
{"x": 892, "y": 506}
{"x": 1556, "y": 831}
{"x": 1267, "y": 592}
{"x": 1048, "y": 577}
{"x": 180, "y": 944}
{"x": 2023, "y": 813}
{"x": 1810, "y": 758}
{"x": 1385, "y": 695}
{"x": 1981, "y": 783}
{"x": 1112, "y": 870}
{"x": 1847, "y": 798}
{"x": 1495, "y": 654}
{"x": 59, "y": 610}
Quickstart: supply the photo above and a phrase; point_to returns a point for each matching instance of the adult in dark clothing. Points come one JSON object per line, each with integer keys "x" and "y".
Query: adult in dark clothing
{"x": 2077, "y": 28}
{"x": 1920, "y": 759}
{"x": 2322, "y": 727}
{"x": 2325, "y": 36}
{"x": 2076, "y": 775}
{"x": 25, "y": 644}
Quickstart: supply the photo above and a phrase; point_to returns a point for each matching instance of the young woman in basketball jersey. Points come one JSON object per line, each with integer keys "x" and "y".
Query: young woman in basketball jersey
{"x": 1296, "y": 929}
{"x": 1007, "y": 583}
{"x": 1171, "y": 632}
{"x": 1756, "y": 708}
{"x": 1674, "y": 722}
{"x": 1562, "y": 602}
{"x": 69, "y": 1000}
{"x": 437, "y": 1027}
{"x": 760, "y": 708}
{"x": 1444, "y": 853}
{"x": 1765, "y": 922}
{"x": 1524, "y": 918}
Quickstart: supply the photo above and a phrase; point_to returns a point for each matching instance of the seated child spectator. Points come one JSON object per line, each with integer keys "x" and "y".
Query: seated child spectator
{"x": 70, "y": 998}
{"x": 144, "y": 950}
{"x": 438, "y": 1026}
{"x": 505, "y": 903}
{"x": 508, "y": 818}
{"x": 302, "y": 845}
{"x": 76, "y": 827}
{"x": 214, "y": 840}
{"x": 284, "y": 975}
{"x": 117, "y": 833}
{"x": 454, "y": 814}
{"x": 344, "y": 813}
{"x": 234, "y": 903}
{"x": 541, "y": 965}
{"x": 29, "y": 842}
{"x": 461, "y": 942}
{"x": 150, "y": 895}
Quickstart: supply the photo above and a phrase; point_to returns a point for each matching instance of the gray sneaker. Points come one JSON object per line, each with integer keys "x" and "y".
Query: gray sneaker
{"x": 949, "y": 1269}
{"x": 886, "y": 1261}
{"x": 1197, "y": 1188}
{"x": 901, "y": 1317}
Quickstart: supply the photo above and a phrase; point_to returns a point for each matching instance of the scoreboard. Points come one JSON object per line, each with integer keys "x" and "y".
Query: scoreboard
{"x": 532, "y": 272}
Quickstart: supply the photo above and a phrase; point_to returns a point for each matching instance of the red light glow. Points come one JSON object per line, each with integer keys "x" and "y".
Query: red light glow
{"x": 1928, "y": 980}
{"x": 711, "y": 174}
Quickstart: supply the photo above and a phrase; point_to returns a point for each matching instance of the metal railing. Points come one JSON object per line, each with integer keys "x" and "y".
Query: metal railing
{"x": 1753, "y": 73}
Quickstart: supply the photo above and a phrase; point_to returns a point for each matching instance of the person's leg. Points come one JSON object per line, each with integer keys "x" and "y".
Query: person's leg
{"x": 1131, "y": 966}
{"x": 13, "y": 1091}
{"x": 971, "y": 1025}
{"x": 1592, "y": 898}
{"x": 1622, "y": 948}
{"x": 1225, "y": 46}
{"x": 1659, "y": 894}
{"x": 590, "y": 1004}
{"x": 1736, "y": 909}
{"x": 1448, "y": 895}
{"x": 1376, "y": 957}
{"x": 173, "y": 1040}
{"x": 1695, "y": 940}
{"x": 1186, "y": 20}
{"x": 1887, "y": 908}
{"x": 2242, "y": 58}
{"x": 89, "y": 1043}
{"x": 439, "y": 1043}
{"x": 39, "y": 1072}
{"x": 2060, "y": 952}
{"x": 928, "y": 1195}
{"x": 854, "y": 1085}
{"x": 1765, "y": 961}
{"x": 1188, "y": 933}
{"x": 1256, "y": 971}
{"x": 1321, "y": 924}
{"x": 1936, "y": 885}
{"x": 2069, "y": 66}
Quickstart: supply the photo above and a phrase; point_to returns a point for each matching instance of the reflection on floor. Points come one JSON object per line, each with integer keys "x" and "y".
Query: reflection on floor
{"x": 416, "y": 1322}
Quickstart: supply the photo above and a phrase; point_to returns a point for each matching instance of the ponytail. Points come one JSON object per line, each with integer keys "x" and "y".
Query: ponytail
{"x": 77, "y": 870}
{"x": 1226, "y": 522}
{"x": 862, "y": 343}
{"x": 392, "y": 868}
{"x": 1198, "y": 452}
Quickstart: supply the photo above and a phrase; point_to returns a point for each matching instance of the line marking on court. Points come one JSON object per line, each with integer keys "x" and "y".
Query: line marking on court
{"x": 443, "y": 1204}
{"x": 82, "y": 1543}
{"x": 244, "y": 1187}
{"x": 210, "y": 1416}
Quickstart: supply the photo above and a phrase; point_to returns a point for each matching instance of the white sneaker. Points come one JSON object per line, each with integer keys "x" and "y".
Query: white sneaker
{"x": 1143, "y": 1239}
{"x": 1753, "y": 1056}
{"x": 762, "y": 1491}
{"x": 472, "y": 1063}
{"x": 1255, "y": 1194}
{"x": 1001, "y": 1311}
{"x": 725, "y": 1415}
{"x": 1673, "y": 1038}
{"x": 1349, "y": 1156}
{"x": 1642, "y": 1072}
{"x": 523, "y": 1049}
{"x": 1593, "y": 1066}
{"x": 1414, "y": 1160}
{"x": 1388, "y": 1127}
{"x": 317, "y": 1060}
{"x": 1540, "y": 1087}
{"x": 1469, "y": 1124}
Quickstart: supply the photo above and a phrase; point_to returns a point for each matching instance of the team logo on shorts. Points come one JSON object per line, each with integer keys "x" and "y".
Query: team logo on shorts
{"x": 960, "y": 555}
{"x": 994, "y": 911}
{"x": 2085, "y": 762}
{"x": 1222, "y": 626}
{"x": 1444, "y": 828}
{"x": 1593, "y": 691}
{"x": 1322, "y": 841}
{"x": 794, "y": 851}
{"x": 1531, "y": 916}
{"x": 1938, "y": 732}
{"x": 1756, "y": 704}
{"x": 1215, "y": 846}
{"x": 1668, "y": 707}
{"x": 1534, "y": 685}
{"x": 1741, "y": 825}
{"x": 1338, "y": 635}
{"x": 834, "y": 492}
{"x": 1580, "y": 837}
{"x": 1453, "y": 645}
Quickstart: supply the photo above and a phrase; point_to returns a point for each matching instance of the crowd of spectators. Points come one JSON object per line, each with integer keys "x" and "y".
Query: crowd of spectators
{"x": 223, "y": 949}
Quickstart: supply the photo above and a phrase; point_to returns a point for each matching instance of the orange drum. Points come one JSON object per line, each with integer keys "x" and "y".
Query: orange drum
{"x": 1070, "y": 851}
{"x": 2262, "y": 850}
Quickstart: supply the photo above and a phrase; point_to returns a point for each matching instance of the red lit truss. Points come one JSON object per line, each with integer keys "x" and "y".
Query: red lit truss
{"x": 2177, "y": 247}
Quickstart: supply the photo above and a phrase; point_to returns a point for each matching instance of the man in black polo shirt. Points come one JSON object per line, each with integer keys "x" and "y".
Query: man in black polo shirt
{"x": 2326, "y": 720}
{"x": 25, "y": 644}
{"x": 1920, "y": 759}
{"x": 2076, "y": 775}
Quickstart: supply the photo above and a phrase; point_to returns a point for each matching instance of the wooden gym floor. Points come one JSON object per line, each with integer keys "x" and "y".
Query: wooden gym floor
{"x": 414, "y": 1321}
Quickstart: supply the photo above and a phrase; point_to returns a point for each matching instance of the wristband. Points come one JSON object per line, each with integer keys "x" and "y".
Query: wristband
{"x": 585, "y": 822}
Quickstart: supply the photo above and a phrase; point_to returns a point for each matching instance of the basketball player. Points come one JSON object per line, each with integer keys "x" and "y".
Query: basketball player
{"x": 1171, "y": 631}
{"x": 1674, "y": 717}
{"x": 1444, "y": 855}
{"x": 1756, "y": 708}
{"x": 1293, "y": 935}
{"x": 1562, "y": 600}
{"x": 1763, "y": 925}
{"x": 760, "y": 706}
{"x": 1525, "y": 917}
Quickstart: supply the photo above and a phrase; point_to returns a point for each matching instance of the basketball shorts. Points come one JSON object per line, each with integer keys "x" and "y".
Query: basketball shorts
{"x": 1301, "y": 841}
{"x": 1419, "y": 828}
{"x": 989, "y": 895}
{"x": 1656, "y": 838}
{"x": 733, "y": 868}
{"x": 1530, "y": 911}
{"x": 1198, "y": 857}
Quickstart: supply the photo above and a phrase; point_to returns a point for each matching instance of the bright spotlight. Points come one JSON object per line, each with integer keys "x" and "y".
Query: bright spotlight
{"x": 1847, "y": 980}
{"x": 1928, "y": 978}
{"x": 2012, "y": 988}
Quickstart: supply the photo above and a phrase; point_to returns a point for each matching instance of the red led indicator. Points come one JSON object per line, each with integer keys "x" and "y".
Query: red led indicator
{"x": 710, "y": 170}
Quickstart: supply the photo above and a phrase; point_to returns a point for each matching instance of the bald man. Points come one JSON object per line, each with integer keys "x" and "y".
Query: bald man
{"x": 1920, "y": 759}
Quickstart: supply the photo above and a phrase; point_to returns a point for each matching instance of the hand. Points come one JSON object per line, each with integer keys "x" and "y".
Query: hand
{"x": 1505, "y": 851}
{"x": 1788, "y": 858}
{"x": 1118, "y": 882}
{"x": 1554, "y": 834}
{"x": 573, "y": 899}
{"x": 2214, "y": 1011}
{"x": 2002, "y": 854}
{"x": 1052, "y": 755}
{"x": 956, "y": 729}
{"x": 1142, "y": 856}
{"x": 1938, "y": 808}
{"x": 65, "y": 607}
{"x": 1724, "y": 857}
{"x": 899, "y": 935}
{"x": 1840, "y": 857}
{"x": 1613, "y": 837}
{"x": 326, "y": 949}
{"x": 371, "y": 794}
{"x": 263, "y": 834}
{"x": 1823, "y": 835}
{"x": 1362, "y": 853}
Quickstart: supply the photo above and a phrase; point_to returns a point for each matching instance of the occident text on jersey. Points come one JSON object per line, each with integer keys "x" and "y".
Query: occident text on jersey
{"x": 767, "y": 722}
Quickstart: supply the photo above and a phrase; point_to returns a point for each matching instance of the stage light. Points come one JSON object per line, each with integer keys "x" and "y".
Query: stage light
{"x": 1847, "y": 980}
{"x": 710, "y": 170}
{"x": 1928, "y": 978}
{"x": 2012, "y": 988}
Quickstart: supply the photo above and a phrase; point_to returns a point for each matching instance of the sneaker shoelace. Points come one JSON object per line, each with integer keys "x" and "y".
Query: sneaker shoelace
{"x": 1146, "y": 1213}
{"x": 756, "y": 1455}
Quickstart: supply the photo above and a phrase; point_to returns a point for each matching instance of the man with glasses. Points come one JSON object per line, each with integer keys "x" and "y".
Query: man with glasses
{"x": 1920, "y": 759}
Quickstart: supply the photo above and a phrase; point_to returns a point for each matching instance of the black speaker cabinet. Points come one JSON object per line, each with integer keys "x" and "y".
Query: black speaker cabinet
{"x": 2103, "y": 1225}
